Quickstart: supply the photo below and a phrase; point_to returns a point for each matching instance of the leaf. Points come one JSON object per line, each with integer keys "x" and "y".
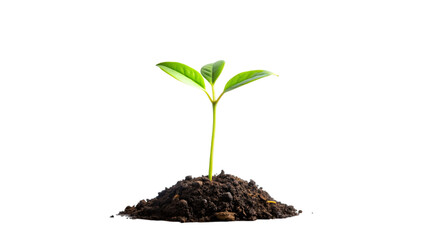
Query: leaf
{"x": 212, "y": 71}
{"x": 244, "y": 78}
{"x": 183, "y": 73}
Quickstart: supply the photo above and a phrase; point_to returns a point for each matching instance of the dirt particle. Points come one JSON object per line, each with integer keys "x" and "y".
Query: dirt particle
{"x": 183, "y": 203}
{"x": 197, "y": 184}
{"x": 225, "y": 216}
{"x": 227, "y": 197}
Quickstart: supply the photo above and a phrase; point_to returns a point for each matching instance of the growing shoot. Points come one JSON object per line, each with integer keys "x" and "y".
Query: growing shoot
{"x": 210, "y": 72}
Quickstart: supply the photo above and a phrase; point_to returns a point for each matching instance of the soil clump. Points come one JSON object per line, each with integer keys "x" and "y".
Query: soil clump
{"x": 225, "y": 198}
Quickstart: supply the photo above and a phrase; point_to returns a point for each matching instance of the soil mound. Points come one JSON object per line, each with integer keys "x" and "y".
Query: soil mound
{"x": 225, "y": 198}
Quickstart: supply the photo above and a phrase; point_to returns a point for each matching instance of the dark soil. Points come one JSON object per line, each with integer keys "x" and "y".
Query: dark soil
{"x": 225, "y": 198}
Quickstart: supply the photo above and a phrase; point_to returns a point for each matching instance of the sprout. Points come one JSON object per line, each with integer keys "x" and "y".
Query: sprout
{"x": 210, "y": 72}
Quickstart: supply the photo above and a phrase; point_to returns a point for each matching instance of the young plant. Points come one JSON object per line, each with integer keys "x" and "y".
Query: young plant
{"x": 210, "y": 72}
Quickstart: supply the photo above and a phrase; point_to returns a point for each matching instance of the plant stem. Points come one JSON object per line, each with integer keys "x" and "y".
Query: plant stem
{"x": 211, "y": 100}
{"x": 217, "y": 100}
{"x": 212, "y": 145}
{"x": 214, "y": 102}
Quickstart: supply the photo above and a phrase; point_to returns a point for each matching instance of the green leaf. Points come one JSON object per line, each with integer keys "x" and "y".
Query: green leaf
{"x": 183, "y": 73}
{"x": 212, "y": 71}
{"x": 244, "y": 78}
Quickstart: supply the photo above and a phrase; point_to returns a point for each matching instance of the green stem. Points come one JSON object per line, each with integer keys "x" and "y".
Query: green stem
{"x": 214, "y": 102}
{"x": 211, "y": 100}
{"x": 217, "y": 100}
{"x": 212, "y": 145}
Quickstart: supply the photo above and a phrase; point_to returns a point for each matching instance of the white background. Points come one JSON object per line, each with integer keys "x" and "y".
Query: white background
{"x": 89, "y": 124}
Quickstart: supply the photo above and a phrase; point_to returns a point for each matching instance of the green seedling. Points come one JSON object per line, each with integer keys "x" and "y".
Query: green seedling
{"x": 210, "y": 72}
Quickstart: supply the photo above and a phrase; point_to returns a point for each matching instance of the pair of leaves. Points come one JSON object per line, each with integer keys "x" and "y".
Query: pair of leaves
{"x": 210, "y": 72}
